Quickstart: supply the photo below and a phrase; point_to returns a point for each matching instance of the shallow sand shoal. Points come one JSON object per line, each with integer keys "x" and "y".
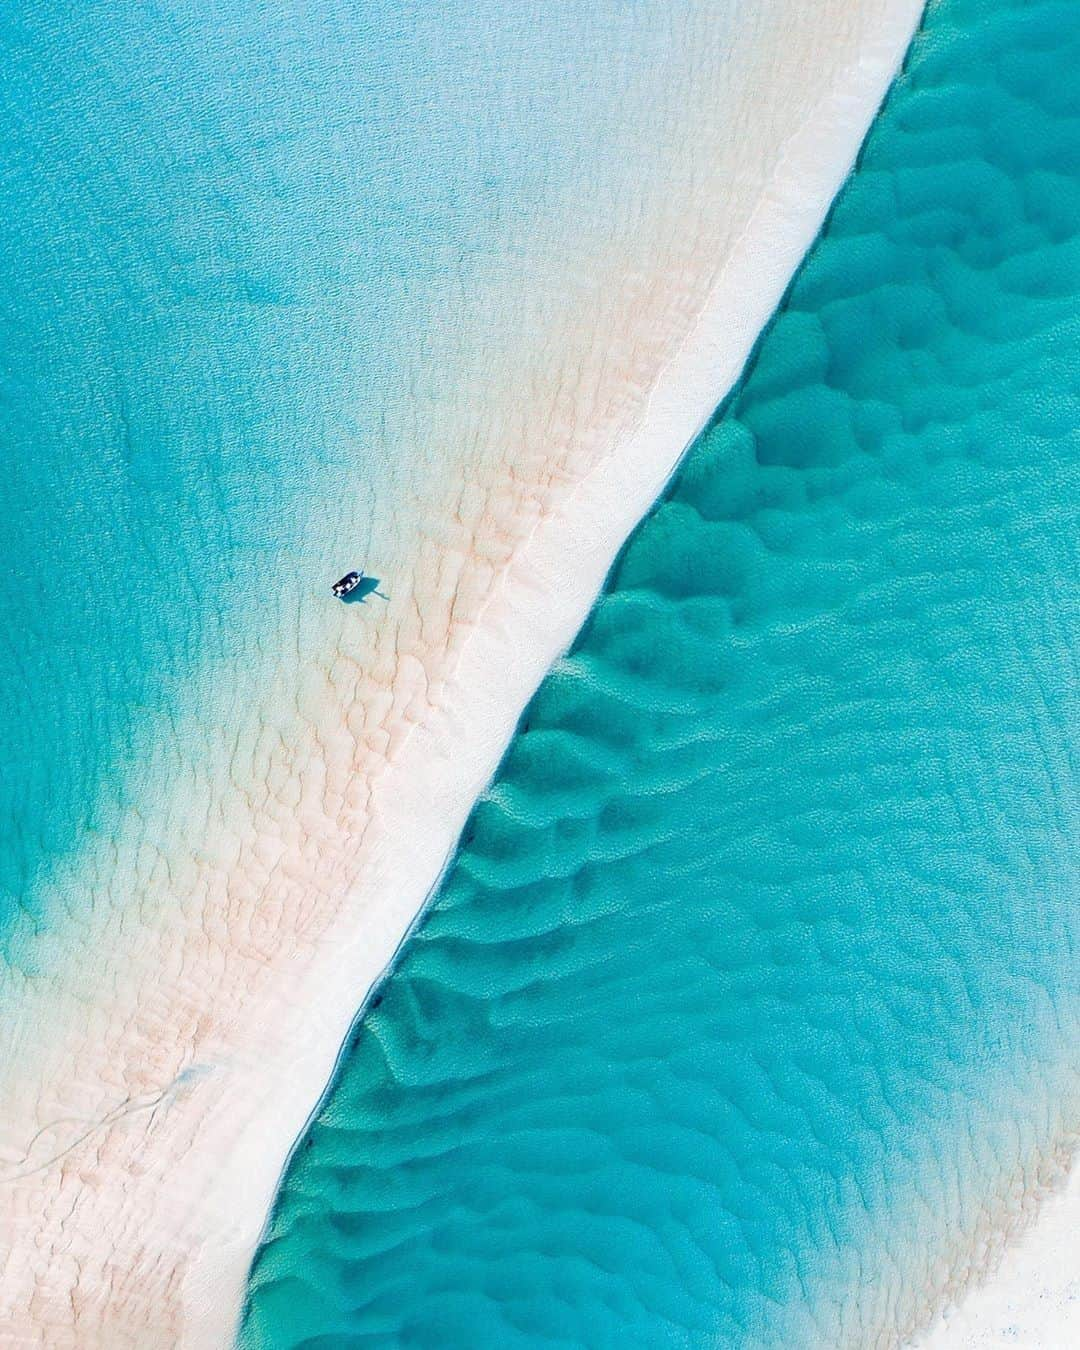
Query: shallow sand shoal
{"x": 154, "y": 1090}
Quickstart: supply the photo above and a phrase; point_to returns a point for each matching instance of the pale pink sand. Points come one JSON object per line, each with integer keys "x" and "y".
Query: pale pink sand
{"x": 191, "y": 1013}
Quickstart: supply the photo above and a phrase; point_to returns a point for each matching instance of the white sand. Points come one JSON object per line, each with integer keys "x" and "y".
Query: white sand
{"x": 1030, "y": 1299}
{"x": 190, "y": 1015}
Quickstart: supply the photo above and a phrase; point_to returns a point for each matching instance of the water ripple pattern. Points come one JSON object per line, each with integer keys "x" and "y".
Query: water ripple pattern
{"x": 744, "y": 1016}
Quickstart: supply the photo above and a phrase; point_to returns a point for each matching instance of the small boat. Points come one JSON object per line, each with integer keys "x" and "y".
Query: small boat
{"x": 347, "y": 584}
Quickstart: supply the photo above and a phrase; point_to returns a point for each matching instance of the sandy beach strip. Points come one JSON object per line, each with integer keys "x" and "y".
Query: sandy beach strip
{"x": 186, "y": 1021}
{"x": 1024, "y": 1289}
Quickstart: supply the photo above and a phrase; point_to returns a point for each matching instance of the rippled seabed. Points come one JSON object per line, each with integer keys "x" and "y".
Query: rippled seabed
{"x": 207, "y": 315}
{"x": 746, "y": 997}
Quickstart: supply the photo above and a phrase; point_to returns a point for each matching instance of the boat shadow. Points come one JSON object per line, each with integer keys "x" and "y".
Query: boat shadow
{"x": 365, "y": 587}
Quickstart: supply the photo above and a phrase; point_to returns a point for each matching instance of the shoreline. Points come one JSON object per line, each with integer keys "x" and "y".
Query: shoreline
{"x": 705, "y": 349}
{"x": 1026, "y": 1292}
{"x": 218, "y": 1025}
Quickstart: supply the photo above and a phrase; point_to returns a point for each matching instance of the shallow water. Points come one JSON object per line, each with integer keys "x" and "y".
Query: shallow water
{"x": 228, "y": 245}
{"x": 748, "y": 996}
{"x": 182, "y": 319}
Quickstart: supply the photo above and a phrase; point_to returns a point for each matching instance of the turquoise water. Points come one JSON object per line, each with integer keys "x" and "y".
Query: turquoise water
{"x": 224, "y": 240}
{"x": 753, "y": 978}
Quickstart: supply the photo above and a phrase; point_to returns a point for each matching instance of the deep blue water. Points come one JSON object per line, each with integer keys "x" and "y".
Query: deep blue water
{"x": 754, "y": 977}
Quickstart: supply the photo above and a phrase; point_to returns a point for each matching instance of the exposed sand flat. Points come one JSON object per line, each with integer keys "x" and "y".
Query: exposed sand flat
{"x": 1029, "y": 1295}
{"x": 189, "y": 1018}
